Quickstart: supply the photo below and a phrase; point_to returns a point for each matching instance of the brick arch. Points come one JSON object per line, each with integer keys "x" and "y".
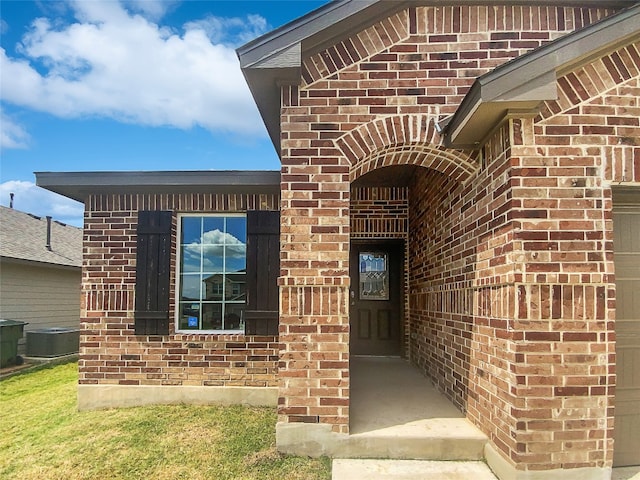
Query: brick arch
{"x": 415, "y": 154}
{"x": 402, "y": 140}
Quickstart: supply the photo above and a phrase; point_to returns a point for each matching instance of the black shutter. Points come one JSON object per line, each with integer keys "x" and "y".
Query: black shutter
{"x": 153, "y": 265}
{"x": 263, "y": 270}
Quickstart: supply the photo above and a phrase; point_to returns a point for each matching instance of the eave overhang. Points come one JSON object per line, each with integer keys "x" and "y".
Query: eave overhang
{"x": 80, "y": 185}
{"x": 37, "y": 263}
{"x": 275, "y": 59}
{"x": 518, "y": 87}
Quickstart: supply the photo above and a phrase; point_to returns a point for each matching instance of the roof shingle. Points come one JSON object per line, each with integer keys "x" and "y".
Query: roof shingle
{"x": 24, "y": 237}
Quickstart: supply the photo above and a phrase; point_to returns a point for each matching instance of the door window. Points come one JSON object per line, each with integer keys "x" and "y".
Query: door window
{"x": 374, "y": 276}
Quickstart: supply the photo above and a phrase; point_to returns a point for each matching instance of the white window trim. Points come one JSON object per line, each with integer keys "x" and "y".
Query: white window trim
{"x": 180, "y": 216}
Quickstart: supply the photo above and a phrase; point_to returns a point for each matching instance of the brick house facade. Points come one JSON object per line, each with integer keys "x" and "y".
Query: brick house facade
{"x": 227, "y": 368}
{"x": 492, "y": 144}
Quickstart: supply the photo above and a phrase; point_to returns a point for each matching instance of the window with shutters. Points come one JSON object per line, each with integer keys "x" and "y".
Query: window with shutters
{"x": 212, "y": 272}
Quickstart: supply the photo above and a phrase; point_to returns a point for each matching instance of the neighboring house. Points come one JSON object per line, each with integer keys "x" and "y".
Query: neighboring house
{"x": 460, "y": 186}
{"x": 40, "y": 271}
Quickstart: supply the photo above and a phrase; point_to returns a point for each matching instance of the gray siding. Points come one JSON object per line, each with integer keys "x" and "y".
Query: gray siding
{"x": 42, "y": 296}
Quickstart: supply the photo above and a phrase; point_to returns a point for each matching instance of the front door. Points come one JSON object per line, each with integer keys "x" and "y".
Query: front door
{"x": 376, "y": 298}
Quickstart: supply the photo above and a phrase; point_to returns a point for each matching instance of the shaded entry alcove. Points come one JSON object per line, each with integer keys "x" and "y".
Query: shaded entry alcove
{"x": 399, "y": 204}
{"x": 379, "y": 219}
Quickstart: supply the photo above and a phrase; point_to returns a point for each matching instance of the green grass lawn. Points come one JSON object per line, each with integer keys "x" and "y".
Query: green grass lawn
{"x": 44, "y": 437}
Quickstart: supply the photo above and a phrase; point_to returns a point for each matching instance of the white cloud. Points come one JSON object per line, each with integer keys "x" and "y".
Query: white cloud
{"x": 218, "y": 237}
{"x": 153, "y": 9}
{"x": 213, "y": 243}
{"x": 12, "y": 134}
{"x": 116, "y": 64}
{"x": 30, "y": 198}
{"x": 230, "y": 31}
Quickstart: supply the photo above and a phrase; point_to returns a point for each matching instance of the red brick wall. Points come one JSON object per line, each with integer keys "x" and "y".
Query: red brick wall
{"x": 424, "y": 59}
{"x": 377, "y": 90}
{"x": 109, "y": 351}
{"x": 564, "y": 162}
{"x": 511, "y": 292}
{"x": 460, "y": 252}
{"x": 512, "y": 286}
{"x": 379, "y": 212}
{"x": 439, "y": 291}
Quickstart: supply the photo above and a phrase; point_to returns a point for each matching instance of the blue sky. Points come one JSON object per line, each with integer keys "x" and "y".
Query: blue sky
{"x": 92, "y": 85}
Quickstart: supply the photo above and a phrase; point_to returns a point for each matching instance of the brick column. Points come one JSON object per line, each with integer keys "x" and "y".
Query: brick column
{"x": 562, "y": 338}
{"x": 314, "y": 282}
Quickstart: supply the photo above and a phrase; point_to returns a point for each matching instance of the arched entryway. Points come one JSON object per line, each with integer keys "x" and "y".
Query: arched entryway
{"x": 388, "y": 181}
{"x": 391, "y": 393}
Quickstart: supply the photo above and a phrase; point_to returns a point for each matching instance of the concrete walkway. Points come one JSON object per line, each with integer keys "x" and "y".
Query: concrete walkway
{"x": 626, "y": 473}
{"x": 387, "y": 392}
{"x": 397, "y": 414}
{"x": 409, "y": 470}
{"x": 428, "y": 470}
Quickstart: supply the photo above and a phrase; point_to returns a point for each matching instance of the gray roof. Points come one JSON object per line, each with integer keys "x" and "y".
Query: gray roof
{"x": 23, "y": 237}
{"x": 79, "y": 185}
{"x": 275, "y": 58}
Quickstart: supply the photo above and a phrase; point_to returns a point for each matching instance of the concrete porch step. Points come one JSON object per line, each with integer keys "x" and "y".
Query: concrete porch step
{"x": 396, "y": 413}
{"x": 345, "y": 469}
{"x": 426, "y": 439}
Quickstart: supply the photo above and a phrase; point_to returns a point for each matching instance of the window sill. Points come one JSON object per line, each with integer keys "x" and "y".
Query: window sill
{"x": 209, "y": 332}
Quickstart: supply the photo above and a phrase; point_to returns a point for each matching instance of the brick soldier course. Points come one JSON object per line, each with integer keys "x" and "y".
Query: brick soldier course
{"x": 499, "y": 176}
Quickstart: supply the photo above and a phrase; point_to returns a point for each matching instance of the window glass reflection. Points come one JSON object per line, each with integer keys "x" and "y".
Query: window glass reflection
{"x": 191, "y": 229}
{"x": 212, "y": 272}
{"x": 213, "y": 228}
{"x": 191, "y": 257}
{"x": 213, "y": 258}
{"x": 234, "y": 316}
{"x": 211, "y": 316}
{"x": 236, "y": 258}
{"x": 189, "y": 317}
{"x": 237, "y": 228}
{"x": 190, "y": 287}
{"x": 235, "y": 288}
{"x": 214, "y": 287}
